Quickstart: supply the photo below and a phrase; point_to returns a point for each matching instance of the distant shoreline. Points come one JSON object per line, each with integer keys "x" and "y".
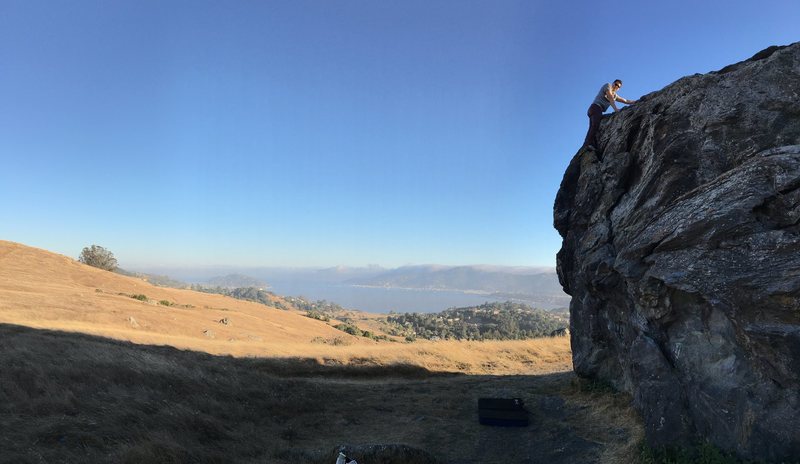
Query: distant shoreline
{"x": 422, "y": 289}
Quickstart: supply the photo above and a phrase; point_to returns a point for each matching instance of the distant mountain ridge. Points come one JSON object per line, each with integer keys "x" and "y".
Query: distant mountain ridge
{"x": 236, "y": 281}
{"x": 155, "y": 279}
{"x": 536, "y": 286}
{"x": 484, "y": 279}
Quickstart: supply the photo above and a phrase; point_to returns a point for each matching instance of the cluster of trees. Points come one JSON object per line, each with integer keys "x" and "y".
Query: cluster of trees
{"x": 323, "y": 310}
{"x": 489, "y": 321}
{"x": 319, "y": 306}
{"x": 243, "y": 293}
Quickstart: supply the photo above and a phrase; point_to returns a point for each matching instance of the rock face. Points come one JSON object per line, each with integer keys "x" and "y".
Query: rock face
{"x": 681, "y": 250}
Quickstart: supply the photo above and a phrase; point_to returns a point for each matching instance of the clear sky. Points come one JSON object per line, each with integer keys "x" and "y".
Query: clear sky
{"x": 326, "y": 132}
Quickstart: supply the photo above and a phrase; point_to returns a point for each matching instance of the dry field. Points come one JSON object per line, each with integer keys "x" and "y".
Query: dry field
{"x": 90, "y": 374}
{"x": 45, "y": 290}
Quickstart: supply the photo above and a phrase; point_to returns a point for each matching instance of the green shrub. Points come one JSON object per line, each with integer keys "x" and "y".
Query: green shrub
{"x": 349, "y": 328}
{"x": 314, "y": 314}
{"x": 352, "y": 329}
{"x": 139, "y": 297}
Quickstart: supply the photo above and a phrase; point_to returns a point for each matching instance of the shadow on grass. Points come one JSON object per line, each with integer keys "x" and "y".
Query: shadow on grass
{"x": 67, "y": 397}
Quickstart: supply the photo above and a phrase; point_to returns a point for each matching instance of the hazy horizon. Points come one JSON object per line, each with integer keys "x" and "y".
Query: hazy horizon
{"x": 222, "y": 270}
{"x": 354, "y": 287}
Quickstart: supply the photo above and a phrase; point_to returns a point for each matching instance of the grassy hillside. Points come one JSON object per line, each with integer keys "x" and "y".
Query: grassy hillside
{"x": 45, "y": 290}
{"x": 97, "y": 367}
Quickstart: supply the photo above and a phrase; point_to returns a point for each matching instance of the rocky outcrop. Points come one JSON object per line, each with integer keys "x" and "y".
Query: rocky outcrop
{"x": 681, "y": 250}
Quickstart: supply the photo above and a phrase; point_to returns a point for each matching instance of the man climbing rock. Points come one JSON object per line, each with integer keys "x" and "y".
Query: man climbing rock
{"x": 607, "y": 96}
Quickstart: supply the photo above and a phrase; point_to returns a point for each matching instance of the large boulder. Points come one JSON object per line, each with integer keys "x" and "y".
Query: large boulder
{"x": 681, "y": 250}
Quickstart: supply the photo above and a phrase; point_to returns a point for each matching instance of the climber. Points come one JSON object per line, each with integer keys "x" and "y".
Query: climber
{"x": 607, "y": 96}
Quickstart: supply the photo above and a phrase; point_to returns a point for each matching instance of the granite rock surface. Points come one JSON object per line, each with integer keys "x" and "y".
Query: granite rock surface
{"x": 681, "y": 251}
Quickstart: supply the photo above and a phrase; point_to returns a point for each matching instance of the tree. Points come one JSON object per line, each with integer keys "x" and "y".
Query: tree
{"x": 98, "y": 256}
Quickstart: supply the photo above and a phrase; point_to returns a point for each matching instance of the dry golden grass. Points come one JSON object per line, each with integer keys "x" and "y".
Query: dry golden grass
{"x": 45, "y": 290}
{"x": 292, "y": 389}
{"x": 606, "y": 415}
{"x": 490, "y": 357}
{"x": 68, "y": 397}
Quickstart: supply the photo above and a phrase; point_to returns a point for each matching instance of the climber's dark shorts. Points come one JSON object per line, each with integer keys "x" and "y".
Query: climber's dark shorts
{"x": 595, "y": 114}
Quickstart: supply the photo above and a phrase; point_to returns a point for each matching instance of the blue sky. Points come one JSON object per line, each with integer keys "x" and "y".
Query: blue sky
{"x": 320, "y": 133}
